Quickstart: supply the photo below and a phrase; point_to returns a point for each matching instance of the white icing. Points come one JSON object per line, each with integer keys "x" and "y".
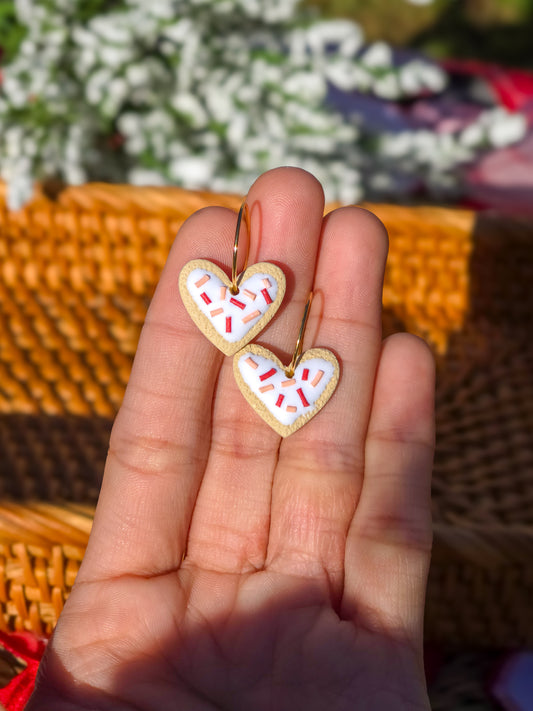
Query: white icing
{"x": 212, "y": 288}
{"x": 251, "y": 377}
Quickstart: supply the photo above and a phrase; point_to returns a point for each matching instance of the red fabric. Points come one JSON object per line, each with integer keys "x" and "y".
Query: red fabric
{"x": 513, "y": 87}
{"x": 30, "y": 649}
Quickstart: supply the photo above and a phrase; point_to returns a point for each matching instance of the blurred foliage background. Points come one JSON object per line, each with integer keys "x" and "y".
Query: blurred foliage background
{"x": 498, "y": 31}
{"x": 493, "y": 30}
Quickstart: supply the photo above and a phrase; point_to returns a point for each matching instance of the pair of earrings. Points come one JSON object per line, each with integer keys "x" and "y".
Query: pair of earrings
{"x": 231, "y": 313}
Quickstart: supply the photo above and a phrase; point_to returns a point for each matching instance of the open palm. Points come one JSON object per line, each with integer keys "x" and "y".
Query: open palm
{"x": 229, "y": 569}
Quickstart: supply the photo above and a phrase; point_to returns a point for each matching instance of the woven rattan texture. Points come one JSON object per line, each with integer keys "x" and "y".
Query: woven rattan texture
{"x": 76, "y": 276}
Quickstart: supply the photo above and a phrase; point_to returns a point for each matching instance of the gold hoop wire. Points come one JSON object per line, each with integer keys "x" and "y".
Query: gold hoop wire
{"x": 244, "y": 211}
{"x": 289, "y": 371}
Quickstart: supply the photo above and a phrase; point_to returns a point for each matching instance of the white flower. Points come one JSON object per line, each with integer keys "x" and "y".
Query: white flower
{"x": 426, "y": 143}
{"x": 130, "y": 124}
{"x": 377, "y": 56}
{"x": 311, "y": 143}
{"x": 190, "y": 106}
{"x": 307, "y": 86}
{"x": 84, "y": 38}
{"x": 348, "y": 75}
{"x": 393, "y": 145}
{"x": 14, "y": 90}
{"x": 137, "y": 74}
{"x": 136, "y": 144}
{"x": 161, "y": 10}
{"x": 262, "y": 73}
{"x": 410, "y": 80}
{"x": 159, "y": 120}
{"x": 24, "y": 10}
{"x": 274, "y": 126}
{"x": 57, "y": 36}
{"x": 387, "y": 86}
{"x": 237, "y": 129}
{"x": 20, "y": 183}
{"x": 74, "y": 174}
{"x": 219, "y": 104}
{"x": 180, "y": 30}
{"x": 143, "y": 176}
{"x": 97, "y": 85}
{"x": 433, "y": 78}
{"x": 114, "y": 56}
{"x": 343, "y": 34}
{"x": 111, "y": 29}
{"x": 30, "y": 146}
{"x": 193, "y": 171}
{"x": 473, "y": 135}
{"x": 248, "y": 94}
{"x": 210, "y": 93}
{"x": 158, "y": 145}
{"x": 505, "y": 129}
{"x": 13, "y": 137}
{"x": 298, "y": 47}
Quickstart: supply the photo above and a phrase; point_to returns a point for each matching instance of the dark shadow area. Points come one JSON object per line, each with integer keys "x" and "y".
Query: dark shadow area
{"x": 288, "y": 653}
{"x": 481, "y": 580}
{"x": 10, "y": 666}
{"x": 461, "y": 34}
{"x": 52, "y": 458}
{"x": 484, "y": 460}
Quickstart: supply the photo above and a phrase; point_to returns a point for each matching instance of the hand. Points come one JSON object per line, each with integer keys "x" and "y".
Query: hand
{"x": 228, "y": 569}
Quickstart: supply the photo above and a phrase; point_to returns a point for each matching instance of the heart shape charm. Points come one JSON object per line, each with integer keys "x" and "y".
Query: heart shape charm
{"x": 286, "y": 404}
{"x": 230, "y": 321}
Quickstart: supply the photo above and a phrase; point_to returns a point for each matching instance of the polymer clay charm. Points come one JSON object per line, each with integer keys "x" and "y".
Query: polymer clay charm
{"x": 287, "y": 397}
{"x": 231, "y": 312}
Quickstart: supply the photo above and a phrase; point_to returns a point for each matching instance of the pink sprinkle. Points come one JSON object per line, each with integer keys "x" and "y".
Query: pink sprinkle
{"x": 251, "y": 316}
{"x": 222, "y": 293}
{"x": 251, "y": 363}
{"x": 317, "y": 378}
{"x": 266, "y": 283}
{"x": 291, "y": 408}
{"x": 250, "y": 294}
{"x": 202, "y": 281}
{"x": 216, "y": 312}
{"x": 266, "y": 388}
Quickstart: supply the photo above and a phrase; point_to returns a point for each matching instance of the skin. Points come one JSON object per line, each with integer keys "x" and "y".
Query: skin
{"x": 230, "y": 569}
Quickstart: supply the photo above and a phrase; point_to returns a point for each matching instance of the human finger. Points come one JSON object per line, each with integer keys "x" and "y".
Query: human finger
{"x": 389, "y": 541}
{"x": 159, "y": 443}
{"x": 230, "y": 526}
{"x": 320, "y": 469}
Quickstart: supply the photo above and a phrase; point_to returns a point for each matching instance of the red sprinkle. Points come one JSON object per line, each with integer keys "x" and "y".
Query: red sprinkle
{"x": 305, "y": 374}
{"x": 268, "y": 374}
{"x": 280, "y": 399}
{"x": 266, "y": 295}
{"x": 228, "y": 324}
{"x": 205, "y": 297}
{"x": 235, "y": 302}
{"x": 302, "y": 397}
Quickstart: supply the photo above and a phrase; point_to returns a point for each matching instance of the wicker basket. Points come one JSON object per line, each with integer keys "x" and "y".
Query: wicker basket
{"x": 76, "y": 277}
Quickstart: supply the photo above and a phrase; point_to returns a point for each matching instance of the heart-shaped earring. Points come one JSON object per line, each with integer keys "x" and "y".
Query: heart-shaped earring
{"x": 287, "y": 397}
{"x": 231, "y": 313}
